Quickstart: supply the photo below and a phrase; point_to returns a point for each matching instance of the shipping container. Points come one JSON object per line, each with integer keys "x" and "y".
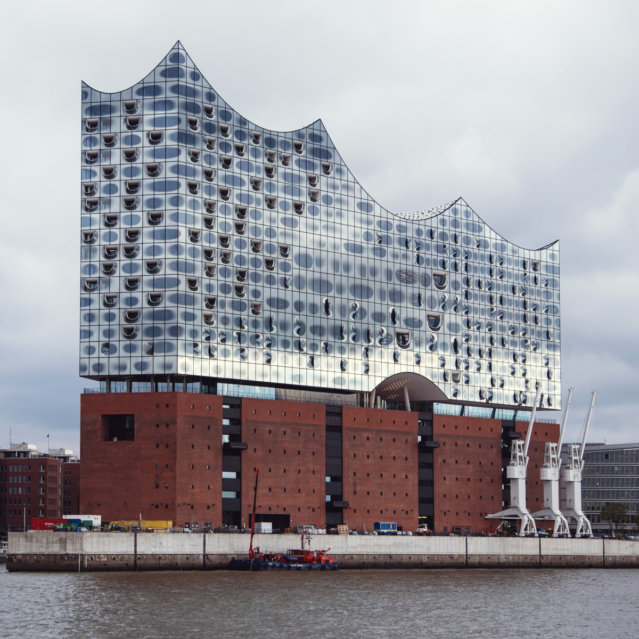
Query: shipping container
{"x": 43, "y": 523}
{"x": 96, "y": 520}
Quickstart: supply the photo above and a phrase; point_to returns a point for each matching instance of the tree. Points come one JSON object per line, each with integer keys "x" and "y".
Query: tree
{"x": 615, "y": 513}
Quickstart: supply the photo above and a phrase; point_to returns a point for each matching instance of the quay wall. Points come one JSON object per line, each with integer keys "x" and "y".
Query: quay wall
{"x": 57, "y": 551}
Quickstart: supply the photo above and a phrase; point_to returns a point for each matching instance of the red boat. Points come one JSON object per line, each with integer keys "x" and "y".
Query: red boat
{"x": 296, "y": 559}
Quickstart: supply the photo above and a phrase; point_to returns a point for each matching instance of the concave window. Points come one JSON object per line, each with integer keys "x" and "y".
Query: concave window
{"x": 132, "y": 186}
{"x": 110, "y": 219}
{"x": 298, "y": 146}
{"x": 153, "y": 169}
{"x": 209, "y": 254}
{"x": 131, "y": 283}
{"x": 209, "y": 173}
{"x": 210, "y": 302}
{"x": 131, "y": 315}
{"x": 132, "y": 122}
{"x": 91, "y": 204}
{"x": 91, "y": 157}
{"x": 313, "y": 195}
{"x": 211, "y": 142}
{"x": 256, "y": 308}
{"x": 225, "y": 130}
{"x": 434, "y": 321}
{"x": 285, "y": 251}
{"x": 192, "y": 283}
{"x": 110, "y": 300}
{"x": 209, "y": 110}
{"x": 271, "y": 201}
{"x": 269, "y": 263}
{"x": 256, "y": 137}
{"x": 194, "y": 235}
{"x": 326, "y": 168}
{"x": 130, "y": 203}
{"x": 256, "y": 246}
{"x": 193, "y": 186}
{"x": 130, "y": 106}
{"x": 129, "y": 332}
{"x": 439, "y": 280}
{"x": 240, "y": 212}
{"x": 153, "y": 266}
{"x": 194, "y": 155}
{"x": 89, "y": 237}
{"x": 209, "y": 270}
{"x": 154, "y": 299}
{"x": 194, "y": 123}
{"x": 130, "y": 155}
{"x": 270, "y": 156}
{"x": 240, "y": 228}
{"x": 91, "y": 124}
{"x": 256, "y": 183}
{"x": 269, "y": 170}
{"x": 225, "y": 241}
{"x": 312, "y": 179}
{"x": 299, "y": 207}
{"x": 285, "y": 158}
{"x": 110, "y": 252}
{"x": 130, "y": 251}
{"x": 225, "y": 193}
{"x": 155, "y": 137}
{"x": 108, "y": 139}
{"x": 132, "y": 235}
{"x": 226, "y": 257}
{"x": 88, "y": 188}
{"x": 108, "y": 172}
{"x": 402, "y": 338}
{"x": 154, "y": 217}
{"x": 239, "y": 149}
{"x": 90, "y": 284}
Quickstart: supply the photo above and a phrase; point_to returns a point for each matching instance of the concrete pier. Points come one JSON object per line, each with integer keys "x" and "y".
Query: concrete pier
{"x": 56, "y": 551}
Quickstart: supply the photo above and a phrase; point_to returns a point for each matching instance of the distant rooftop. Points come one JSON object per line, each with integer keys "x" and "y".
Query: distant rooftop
{"x": 25, "y": 450}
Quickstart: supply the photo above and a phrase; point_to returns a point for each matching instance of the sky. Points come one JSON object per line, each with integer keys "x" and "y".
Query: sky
{"x": 527, "y": 110}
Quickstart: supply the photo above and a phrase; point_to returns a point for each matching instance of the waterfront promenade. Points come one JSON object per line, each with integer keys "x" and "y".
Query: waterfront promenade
{"x": 55, "y": 551}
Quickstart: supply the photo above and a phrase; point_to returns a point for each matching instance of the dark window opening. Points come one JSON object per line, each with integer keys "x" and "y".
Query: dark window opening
{"x": 118, "y": 428}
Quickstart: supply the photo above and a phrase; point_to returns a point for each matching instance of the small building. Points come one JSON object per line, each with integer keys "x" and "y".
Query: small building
{"x": 32, "y": 485}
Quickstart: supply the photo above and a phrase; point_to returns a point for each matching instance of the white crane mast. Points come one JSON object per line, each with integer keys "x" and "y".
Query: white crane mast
{"x": 516, "y": 471}
{"x": 571, "y": 476}
{"x": 549, "y": 475}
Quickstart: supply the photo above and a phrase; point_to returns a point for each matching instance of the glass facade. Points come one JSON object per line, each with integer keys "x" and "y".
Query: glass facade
{"x": 215, "y": 249}
{"x": 610, "y": 475}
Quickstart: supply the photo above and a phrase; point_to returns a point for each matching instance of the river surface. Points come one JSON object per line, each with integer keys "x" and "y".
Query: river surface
{"x": 550, "y": 603}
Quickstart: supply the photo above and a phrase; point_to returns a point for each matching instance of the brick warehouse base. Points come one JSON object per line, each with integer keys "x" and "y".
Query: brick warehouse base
{"x": 191, "y": 459}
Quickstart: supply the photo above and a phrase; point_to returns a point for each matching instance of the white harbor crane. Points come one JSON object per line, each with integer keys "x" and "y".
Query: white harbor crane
{"x": 571, "y": 477}
{"x": 516, "y": 472}
{"x": 549, "y": 475}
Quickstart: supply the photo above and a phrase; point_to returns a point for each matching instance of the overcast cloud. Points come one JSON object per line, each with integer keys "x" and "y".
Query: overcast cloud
{"x": 528, "y": 110}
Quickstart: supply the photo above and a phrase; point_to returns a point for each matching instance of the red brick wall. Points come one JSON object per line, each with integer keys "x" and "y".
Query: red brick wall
{"x": 152, "y": 476}
{"x": 71, "y": 488}
{"x": 286, "y": 442}
{"x": 41, "y": 490}
{"x": 467, "y": 472}
{"x": 379, "y": 449}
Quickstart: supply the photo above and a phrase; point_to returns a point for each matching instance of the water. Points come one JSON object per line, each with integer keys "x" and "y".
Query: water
{"x": 344, "y": 604}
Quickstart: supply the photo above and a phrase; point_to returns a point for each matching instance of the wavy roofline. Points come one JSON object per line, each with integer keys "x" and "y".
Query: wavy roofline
{"x": 419, "y": 214}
